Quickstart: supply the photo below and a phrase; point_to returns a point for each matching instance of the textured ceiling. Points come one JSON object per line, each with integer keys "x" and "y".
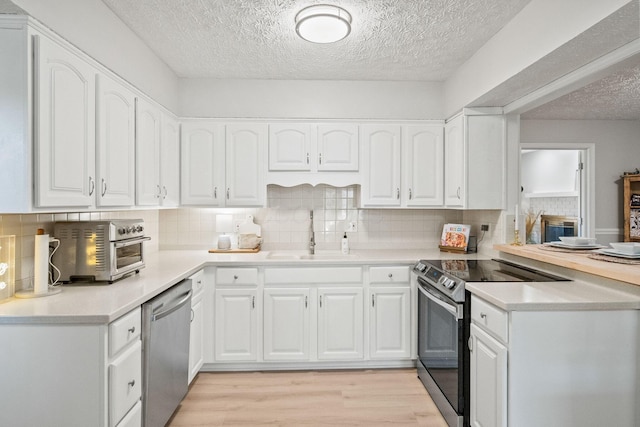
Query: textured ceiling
{"x": 412, "y": 40}
{"x": 615, "y": 97}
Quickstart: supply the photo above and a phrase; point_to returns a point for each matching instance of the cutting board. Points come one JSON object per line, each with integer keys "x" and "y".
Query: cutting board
{"x": 249, "y": 227}
{"x": 235, "y": 251}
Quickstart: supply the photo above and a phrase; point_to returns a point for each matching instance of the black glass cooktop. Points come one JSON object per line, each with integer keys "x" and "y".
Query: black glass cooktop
{"x": 492, "y": 270}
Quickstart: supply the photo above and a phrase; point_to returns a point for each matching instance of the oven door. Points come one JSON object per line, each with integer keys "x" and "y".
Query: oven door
{"x": 441, "y": 351}
{"x": 127, "y": 256}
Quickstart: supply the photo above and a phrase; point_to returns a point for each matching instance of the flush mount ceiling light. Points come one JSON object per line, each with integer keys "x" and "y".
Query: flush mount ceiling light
{"x": 323, "y": 23}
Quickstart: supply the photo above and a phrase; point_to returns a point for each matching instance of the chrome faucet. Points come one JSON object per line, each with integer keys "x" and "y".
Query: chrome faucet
{"x": 312, "y": 241}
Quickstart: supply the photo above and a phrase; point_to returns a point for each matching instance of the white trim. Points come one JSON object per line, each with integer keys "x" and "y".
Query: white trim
{"x": 588, "y": 200}
{"x": 584, "y": 75}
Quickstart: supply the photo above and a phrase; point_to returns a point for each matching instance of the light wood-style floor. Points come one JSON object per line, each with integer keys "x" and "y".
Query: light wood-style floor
{"x": 310, "y": 398}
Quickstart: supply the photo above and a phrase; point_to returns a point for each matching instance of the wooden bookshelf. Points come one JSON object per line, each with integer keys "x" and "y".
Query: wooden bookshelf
{"x": 631, "y": 208}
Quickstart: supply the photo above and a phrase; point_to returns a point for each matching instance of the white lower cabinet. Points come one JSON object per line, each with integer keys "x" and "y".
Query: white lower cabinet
{"x": 235, "y": 314}
{"x": 286, "y": 324}
{"x": 72, "y": 374}
{"x": 545, "y": 368}
{"x": 196, "y": 336}
{"x": 390, "y": 317}
{"x": 340, "y": 323}
{"x": 488, "y": 380}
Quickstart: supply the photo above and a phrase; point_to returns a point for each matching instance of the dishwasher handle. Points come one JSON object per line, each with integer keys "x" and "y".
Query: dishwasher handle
{"x": 172, "y": 308}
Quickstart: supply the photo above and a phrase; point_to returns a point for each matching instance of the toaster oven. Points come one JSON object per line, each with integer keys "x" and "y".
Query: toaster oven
{"x": 99, "y": 251}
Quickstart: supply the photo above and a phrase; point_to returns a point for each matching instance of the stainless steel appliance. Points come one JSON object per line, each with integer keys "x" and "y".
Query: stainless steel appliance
{"x": 165, "y": 347}
{"x": 554, "y": 226}
{"x": 444, "y": 312}
{"x": 99, "y": 251}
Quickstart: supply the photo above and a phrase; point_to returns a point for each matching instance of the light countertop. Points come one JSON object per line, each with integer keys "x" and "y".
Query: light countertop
{"x": 101, "y": 304}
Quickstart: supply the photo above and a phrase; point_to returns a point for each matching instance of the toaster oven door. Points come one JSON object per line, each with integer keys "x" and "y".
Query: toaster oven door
{"x": 127, "y": 256}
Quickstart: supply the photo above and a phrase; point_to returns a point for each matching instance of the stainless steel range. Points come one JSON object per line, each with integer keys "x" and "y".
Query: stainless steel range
{"x": 444, "y": 312}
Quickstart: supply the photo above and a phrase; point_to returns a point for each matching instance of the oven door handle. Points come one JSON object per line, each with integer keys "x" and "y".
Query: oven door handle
{"x": 119, "y": 245}
{"x": 451, "y": 308}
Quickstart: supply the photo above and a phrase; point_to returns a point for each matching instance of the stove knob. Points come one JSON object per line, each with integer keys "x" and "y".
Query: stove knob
{"x": 450, "y": 283}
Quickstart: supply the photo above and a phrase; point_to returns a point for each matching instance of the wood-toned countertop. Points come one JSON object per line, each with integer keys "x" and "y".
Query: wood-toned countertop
{"x": 576, "y": 261}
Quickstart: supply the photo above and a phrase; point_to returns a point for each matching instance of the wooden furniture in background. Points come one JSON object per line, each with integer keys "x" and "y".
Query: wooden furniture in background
{"x": 631, "y": 208}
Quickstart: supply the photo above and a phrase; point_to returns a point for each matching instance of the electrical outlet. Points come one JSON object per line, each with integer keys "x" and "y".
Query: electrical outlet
{"x": 352, "y": 226}
{"x": 236, "y": 225}
{"x": 484, "y": 227}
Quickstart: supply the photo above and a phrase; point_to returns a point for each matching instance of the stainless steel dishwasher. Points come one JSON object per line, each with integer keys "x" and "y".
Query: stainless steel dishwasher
{"x": 165, "y": 345}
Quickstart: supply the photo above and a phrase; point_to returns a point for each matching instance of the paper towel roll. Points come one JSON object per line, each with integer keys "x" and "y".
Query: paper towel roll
{"x": 41, "y": 264}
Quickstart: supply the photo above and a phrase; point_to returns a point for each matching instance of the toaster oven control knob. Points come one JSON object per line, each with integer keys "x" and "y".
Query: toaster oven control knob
{"x": 139, "y": 228}
{"x": 121, "y": 230}
{"x": 129, "y": 230}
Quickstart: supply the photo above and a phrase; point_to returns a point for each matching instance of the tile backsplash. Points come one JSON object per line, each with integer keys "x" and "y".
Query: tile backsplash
{"x": 25, "y": 226}
{"x": 286, "y": 222}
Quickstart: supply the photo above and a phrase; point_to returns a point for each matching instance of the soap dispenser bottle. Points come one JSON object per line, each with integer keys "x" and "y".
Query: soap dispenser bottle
{"x": 345, "y": 244}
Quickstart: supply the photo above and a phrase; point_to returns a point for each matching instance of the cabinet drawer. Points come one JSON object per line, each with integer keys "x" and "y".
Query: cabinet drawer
{"x": 321, "y": 275}
{"x": 389, "y": 275}
{"x": 123, "y": 331}
{"x": 197, "y": 282}
{"x": 236, "y": 276}
{"x": 133, "y": 418}
{"x": 125, "y": 382}
{"x": 490, "y": 318}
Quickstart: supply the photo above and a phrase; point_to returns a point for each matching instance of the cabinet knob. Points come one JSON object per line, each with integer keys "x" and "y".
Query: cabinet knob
{"x": 235, "y": 277}
{"x": 132, "y": 329}
{"x": 390, "y": 275}
{"x": 483, "y": 316}
{"x": 131, "y": 383}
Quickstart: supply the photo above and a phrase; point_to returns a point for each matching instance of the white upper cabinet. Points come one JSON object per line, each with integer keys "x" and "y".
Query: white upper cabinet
{"x": 381, "y": 162}
{"x": 290, "y": 147}
{"x": 202, "y": 161}
{"x": 313, "y": 147}
{"x": 223, "y": 165}
{"x": 115, "y": 128}
{"x": 148, "y": 188}
{"x": 422, "y": 165}
{"x": 475, "y": 162}
{"x": 64, "y": 133}
{"x": 338, "y": 147}
{"x": 402, "y": 165}
{"x": 169, "y": 160}
{"x": 245, "y": 146}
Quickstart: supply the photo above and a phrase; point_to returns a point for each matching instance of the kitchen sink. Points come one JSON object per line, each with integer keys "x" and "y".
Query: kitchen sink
{"x": 305, "y": 256}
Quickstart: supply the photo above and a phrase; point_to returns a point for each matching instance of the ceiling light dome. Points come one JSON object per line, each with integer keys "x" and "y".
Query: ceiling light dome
{"x": 323, "y": 23}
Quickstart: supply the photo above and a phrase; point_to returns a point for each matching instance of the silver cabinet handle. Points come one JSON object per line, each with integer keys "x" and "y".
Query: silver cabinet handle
{"x": 458, "y": 192}
{"x": 390, "y": 275}
{"x": 470, "y": 344}
{"x": 373, "y": 300}
{"x": 410, "y": 194}
{"x": 131, "y": 383}
{"x": 398, "y": 193}
{"x": 104, "y": 187}
{"x": 215, "y": 192}
{"x": 320, "y": 301}
{"x": 253, "y": 302}
{"x": 228, "y": 193}
{"x": 306, "y": 301}
{"x": 307, "y": 158}
{"x": 193, "y": 314}
{"x": 159, "y": 191}
{"x": 235, "y": 277}
{"x": 164, "y": 196}
{"x": 320, "y": 158}
{"x": 92, "y": 186}
{"x": 132, "y": 329}
{"x": 483, "y": 316}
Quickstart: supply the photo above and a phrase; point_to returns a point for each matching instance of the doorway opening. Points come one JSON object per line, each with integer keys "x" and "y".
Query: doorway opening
{"x": 556, "y": 180}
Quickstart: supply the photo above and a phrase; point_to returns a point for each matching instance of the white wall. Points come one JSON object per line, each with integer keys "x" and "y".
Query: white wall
{"x": 539, "y": 29}
{"x": 617, "y": 150}
{"x": 310, "y": 99}
{"x": 92, "y": 27}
